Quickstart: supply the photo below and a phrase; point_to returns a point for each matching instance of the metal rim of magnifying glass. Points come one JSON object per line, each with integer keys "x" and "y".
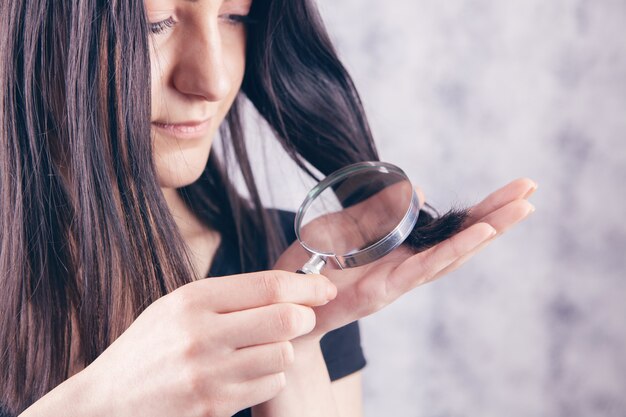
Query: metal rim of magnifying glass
{"x": 377, "y": 250}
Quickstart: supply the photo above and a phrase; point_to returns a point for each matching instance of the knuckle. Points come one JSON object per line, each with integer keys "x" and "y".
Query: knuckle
{"x": 206, "y": 397}
{"x": 455, "y": 246}
{"x": 210, "y": 400}
{"x": 191, "y": 347}
{"x": 273, "y": 286}
{"x": 278, "y": 382}
{"x": 295, "y": 320}
{"x": 287, "y": 319}
{"x": 374, "y": 295}
{"x": 287, "y": 355}
{"x": 193, "y": 382}
{"x": 429, "y": 264}
{"x": 290, "y": 319}
{"x": 428, "y": 260}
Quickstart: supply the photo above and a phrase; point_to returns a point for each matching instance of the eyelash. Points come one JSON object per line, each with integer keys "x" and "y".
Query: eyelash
{"x": 162, "y": 26}
{"x": 239, "y": 19}
{"x": 231, "y": 19}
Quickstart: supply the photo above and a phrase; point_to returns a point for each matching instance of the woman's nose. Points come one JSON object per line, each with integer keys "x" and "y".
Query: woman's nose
{"x": 201, "y": 69}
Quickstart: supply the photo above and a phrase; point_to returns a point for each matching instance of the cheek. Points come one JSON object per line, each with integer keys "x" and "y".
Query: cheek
{"x": 156, "y": 82}
{"x": 236, "y": 58}
{"x": 235, "y": 62}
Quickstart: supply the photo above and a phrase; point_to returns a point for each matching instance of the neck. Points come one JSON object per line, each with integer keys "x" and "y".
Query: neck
{"x": 188, "y": 223}
{"x": 200, "y": 238}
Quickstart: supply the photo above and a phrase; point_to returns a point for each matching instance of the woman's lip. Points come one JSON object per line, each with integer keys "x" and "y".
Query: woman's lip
{"x": 185, "y": 130}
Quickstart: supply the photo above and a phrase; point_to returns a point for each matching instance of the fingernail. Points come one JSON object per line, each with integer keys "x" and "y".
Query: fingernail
{"x": 531, "y": 210}
{"x": 532, "y": 190}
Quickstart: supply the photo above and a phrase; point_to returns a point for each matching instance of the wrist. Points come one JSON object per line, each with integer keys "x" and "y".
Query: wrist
{"x": 308, "y": 391}
{"x": 75, "y": 396}
{"x": 306, "y": 344}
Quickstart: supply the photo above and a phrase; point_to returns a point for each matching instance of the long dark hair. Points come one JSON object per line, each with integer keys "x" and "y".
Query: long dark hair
{"x": 86, "y": 237}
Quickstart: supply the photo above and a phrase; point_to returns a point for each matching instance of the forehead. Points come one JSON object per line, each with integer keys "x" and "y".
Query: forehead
{"x": 217, "y": 2}
{"x": 197, "y": 1}
{"x": 157, "y": 4}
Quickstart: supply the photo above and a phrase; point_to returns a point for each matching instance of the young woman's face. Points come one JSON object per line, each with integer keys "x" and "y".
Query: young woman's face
{"x": 197, "y": 53}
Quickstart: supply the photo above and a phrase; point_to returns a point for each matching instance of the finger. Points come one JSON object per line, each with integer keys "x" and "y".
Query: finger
{"x": 268, "y": 324}
{"x": 257, "y": 391}
{"x": 502, "y": 220}
{"x": 420, "y": 196}
{"x": 423, "y": 266}
{"x": 507, "y": 216}
{"x": 458, "y": 263}
{"x": 257, "y": 361}
{"x": 518, "y": 189}
{"x": 246, "y": 291}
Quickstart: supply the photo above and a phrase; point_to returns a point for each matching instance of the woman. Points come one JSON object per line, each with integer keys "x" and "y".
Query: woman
{"x": 113, "y": 209}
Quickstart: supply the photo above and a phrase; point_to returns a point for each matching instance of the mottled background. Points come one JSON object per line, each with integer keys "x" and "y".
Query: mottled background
{"x": 466, "y": 96}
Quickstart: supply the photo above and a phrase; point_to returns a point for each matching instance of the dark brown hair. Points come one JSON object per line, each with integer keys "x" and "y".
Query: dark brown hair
{"x": 85, "y": 233}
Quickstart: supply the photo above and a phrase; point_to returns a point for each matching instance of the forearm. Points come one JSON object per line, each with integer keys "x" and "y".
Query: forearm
{"x": 73, "y": 397}
{"x": 308, "y": 392}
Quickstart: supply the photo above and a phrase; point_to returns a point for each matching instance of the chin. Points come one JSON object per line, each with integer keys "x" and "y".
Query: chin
{"x": 179, "y": 181}
{"x": 179, "y": 167}
{"x": 179, "y": 164}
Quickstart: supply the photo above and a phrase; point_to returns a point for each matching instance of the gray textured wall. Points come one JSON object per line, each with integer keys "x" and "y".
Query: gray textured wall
{"x": 465, "y": 96}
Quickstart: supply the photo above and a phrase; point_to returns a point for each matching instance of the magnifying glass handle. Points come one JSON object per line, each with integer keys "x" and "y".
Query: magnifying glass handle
{"x": 313, "y": 265}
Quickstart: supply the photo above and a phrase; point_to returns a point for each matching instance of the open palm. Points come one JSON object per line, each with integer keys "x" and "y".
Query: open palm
{"x": 364, "y": 290}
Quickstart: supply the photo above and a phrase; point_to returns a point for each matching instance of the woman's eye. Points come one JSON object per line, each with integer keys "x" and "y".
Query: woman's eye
{"x": 238, "y": 19}
{"x": 231, "y": 19}
{"x": 162, "y": 26}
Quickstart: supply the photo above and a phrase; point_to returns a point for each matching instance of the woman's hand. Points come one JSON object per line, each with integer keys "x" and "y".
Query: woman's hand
{"x": 365, "y": 290}
{"x": 209, "y": 348}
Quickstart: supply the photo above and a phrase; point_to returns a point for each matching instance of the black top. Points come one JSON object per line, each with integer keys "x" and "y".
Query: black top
{"x": 341, "y": 348}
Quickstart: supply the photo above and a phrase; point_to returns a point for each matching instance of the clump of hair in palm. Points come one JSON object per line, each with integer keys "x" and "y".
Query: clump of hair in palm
{"x": 430, "y": 230}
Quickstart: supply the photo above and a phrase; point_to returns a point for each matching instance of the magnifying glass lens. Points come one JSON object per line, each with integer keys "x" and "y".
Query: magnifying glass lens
{"x": 355, "y": 211}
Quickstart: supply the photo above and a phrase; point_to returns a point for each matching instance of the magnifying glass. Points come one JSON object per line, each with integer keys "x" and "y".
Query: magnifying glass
{"x": 356, "y": 215}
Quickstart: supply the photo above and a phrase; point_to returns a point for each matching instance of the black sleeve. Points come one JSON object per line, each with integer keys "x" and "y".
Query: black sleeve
{"x": 341, "y": 347}
{"x": 342, "y": 351}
